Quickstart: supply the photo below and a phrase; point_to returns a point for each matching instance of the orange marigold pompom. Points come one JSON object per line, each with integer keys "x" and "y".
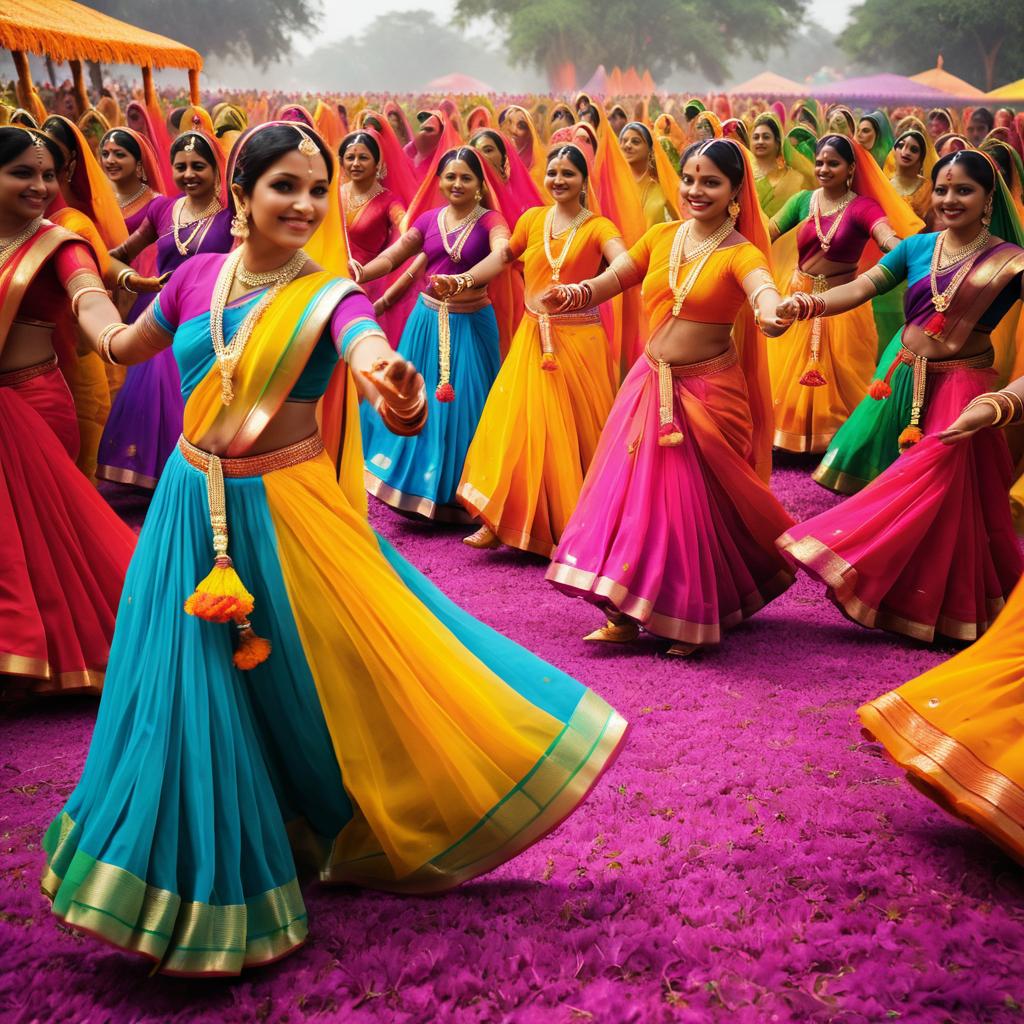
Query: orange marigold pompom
{"x": 445, "y": 393}
{"x": 879, "y": 389}
{"x": 910, "y": 437}
{"x": 221, "y": 596}
{"x": 252, "y": 650}
{"x": 812, "y": 377}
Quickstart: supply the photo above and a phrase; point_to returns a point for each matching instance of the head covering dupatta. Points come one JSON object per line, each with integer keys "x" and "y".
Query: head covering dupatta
{"x": 229, "y": 122}
{"x": 90, "y": 188}
{"x": 151, "y": 166}
{"x": 883, "y": 135}
{"x": 792, "y": 156}
{"x": 537, "y": 165}
{"x": 393, "y": 108}
{"x": 734, "y": 128}
{"x": 395, "y": 173}
{"x": 94, "y": 125}
{"x": 912, "y": 126}
{"x": 140, "y": 120}
{"x": 519, "y": 191}
{"x": 709, "y": 118}
{"x": 219, "y": 160}
{"x": 1015, "y": 183}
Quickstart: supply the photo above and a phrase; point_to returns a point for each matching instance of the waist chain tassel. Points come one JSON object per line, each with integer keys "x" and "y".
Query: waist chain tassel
{"x": 445, "y": 391}
{"x": 670, "y": 433}
{"x": 913, "y": 433}
{"x": 812, "y": 377}
{"x": 548, "y": 358}
{"x": 221, "y": 596}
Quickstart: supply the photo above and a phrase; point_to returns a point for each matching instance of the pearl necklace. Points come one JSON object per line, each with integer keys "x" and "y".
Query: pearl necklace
{"x": 549, "y": 233}
{"x": 9, "y": 246}
{"x": 361, "y": 200}
{"x": 229, "y": 354}
{"x": 455, "y": 251}
{"x": 941, "y": 300}
{"x": 212, "y": 208}
{"x": 699, "y": 256}
{"x": 137, "y": 194}
{"x": 825, "y": 239}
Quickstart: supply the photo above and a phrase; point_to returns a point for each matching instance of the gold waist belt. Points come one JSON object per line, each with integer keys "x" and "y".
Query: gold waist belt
{"x": 253, "y": 465}
{"x": 27, "y": 373}
{"x": 456, "y": 307}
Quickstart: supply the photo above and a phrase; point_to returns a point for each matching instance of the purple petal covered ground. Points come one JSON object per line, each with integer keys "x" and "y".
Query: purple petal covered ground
{"x": 749, "y": 858}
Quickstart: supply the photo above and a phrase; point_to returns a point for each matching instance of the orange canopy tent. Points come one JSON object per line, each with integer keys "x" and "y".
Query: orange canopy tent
{"x": 68, "y": 31}
{"x": 938, "y": 78}
{"x": 767, "y": 83}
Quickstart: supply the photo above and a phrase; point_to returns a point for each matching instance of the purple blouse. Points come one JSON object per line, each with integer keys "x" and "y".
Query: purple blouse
{"x": 476, "y": 247}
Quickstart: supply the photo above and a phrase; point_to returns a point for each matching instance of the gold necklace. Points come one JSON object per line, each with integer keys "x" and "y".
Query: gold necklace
{"x": 455, "y": 251}
{"x": 9, "y": 246}
{"x": 212, "y": 208}
{"x": 941, "y": 300}
{"x": 699, "y": 256}
{"x": 549, "y": 224}
{"x": 825, "y": 239}
{"x": 362, "y": 200}
{"x": 137, "y": 194}
{"x": 904, "y": 190}
{"x": 229, "y": 354}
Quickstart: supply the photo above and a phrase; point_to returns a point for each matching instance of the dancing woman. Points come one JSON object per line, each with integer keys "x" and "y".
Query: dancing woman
{"x": 453, "y": 339}
{"x": 820, "y": 370}
{"x": 145, "y": 419}
{"x": 928, "y": 547}
{"x": 956, "y": 730}
{"x": 673, "y": 530}
{"x": 638, "y": 148}
{"x": 541, "y": 424}
{"x": 912, "y": 160}
{"x": 780, "y": 170}
{"x": 64, "y": 552}
{"x": 406, "y": 760}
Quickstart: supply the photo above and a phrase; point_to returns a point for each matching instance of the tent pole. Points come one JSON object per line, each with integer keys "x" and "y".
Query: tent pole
{"x": 193, "y": 86}
{"x": 79, "y": 83}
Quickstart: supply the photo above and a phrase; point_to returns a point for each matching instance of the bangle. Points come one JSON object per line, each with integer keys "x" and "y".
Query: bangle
{"x": 884, "y": 243}
{"x": 77, "y": 297}
{"x": 757, "y": 291}
{"x": 122, "y": 280}
{"x": 390, "y": 262}
{"x": 1016, "y": 405}
{"x": 992, "y": 402}
{"x": 105, "y": 339}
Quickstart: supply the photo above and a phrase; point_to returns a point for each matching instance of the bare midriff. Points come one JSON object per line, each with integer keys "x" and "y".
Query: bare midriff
{"x": 27, "y": 345}
{"x": 686, "y": 341}
{"x": 977, "y": 343}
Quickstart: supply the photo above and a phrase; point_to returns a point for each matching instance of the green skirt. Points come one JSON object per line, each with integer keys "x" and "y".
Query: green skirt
{"x": 868, "y": 442}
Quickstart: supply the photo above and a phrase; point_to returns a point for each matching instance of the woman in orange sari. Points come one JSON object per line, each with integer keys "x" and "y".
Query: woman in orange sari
{"x": 516, "y": 123}
{"x": 543, "y": 417}
{"x": 64, "y": 552}
{"x": 673, "y": 530}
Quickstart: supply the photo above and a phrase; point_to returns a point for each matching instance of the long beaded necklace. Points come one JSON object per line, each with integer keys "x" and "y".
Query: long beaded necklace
{"x": 549, "y": 233}
{"x": 455, "y": 251}
{"x": 212, "y": 208}
{"x": 137, "y": 194}
{"x": 840, "y": 209}
{"x": 9, "y": 246}
{"x": 699, "y": 256}
{"x": 228, "y": 354}
{"x": 941, "y": 299}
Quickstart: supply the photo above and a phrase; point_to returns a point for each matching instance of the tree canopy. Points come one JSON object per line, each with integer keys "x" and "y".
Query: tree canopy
{"x": 662, "y": 35}
{"x": 980, "y": 40}
{"x": 259, "y": 30}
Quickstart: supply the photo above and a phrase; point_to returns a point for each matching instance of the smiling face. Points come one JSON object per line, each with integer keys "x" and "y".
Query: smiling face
{"x": 705, "y": 189}
{"x": 634, "y": 148}
{"x": 563, "y": 180}
{"x": 866, "y": 134}
{"x": 958, "y": 199}
{"x": 909, "y": 155}
{"x": 763, "y": 143}
{"x": 288, "y": 202}
{"x": 459, "y": 184}
{"x": 194, "y": 176}
{"x": 118, "y": 164}
{"x": 359, "y": 163}
{"x": 831, "y": 170}
{"x": 28, "y": 184}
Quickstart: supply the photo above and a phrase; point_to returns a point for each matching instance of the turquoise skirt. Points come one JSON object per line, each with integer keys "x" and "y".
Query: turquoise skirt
{"x": 421, "y": 474}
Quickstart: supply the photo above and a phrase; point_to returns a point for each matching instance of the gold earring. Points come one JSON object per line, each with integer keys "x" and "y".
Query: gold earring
{"x": 240, "y": 226}
{"x": 986, "y": 217}
{"x": 583, "y": 197}
{"x": 479, "y": 195}
{"x": 734, "y": 208}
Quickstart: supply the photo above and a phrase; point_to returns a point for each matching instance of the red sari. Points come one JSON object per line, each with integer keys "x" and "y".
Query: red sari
{"x": 63, "y": 551}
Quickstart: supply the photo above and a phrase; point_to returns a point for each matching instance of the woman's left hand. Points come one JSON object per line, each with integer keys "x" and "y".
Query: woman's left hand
{"x": 146, "y": 285}
{"x": 443, "y": 285}
{"x": 969, "y": 422}
{"x": 398, "y": 382}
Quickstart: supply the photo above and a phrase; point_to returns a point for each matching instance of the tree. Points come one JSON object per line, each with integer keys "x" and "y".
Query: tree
{"x": 259, "y": 30}
{"x": 980, "y": 40}
{"x": 662, "y": 35}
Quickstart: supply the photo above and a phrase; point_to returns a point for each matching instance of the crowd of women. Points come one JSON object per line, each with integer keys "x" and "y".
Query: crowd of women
{"x": 579, "y": 330}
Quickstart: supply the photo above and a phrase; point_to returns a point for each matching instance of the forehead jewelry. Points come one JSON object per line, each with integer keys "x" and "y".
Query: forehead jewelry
{"x": 190, "y": 145}
{"x": 307, "y": 147}
{"x": 37, "y": 142}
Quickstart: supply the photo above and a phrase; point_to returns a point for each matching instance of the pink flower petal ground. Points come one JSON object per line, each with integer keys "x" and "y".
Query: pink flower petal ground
{"x": 748, "y": 859}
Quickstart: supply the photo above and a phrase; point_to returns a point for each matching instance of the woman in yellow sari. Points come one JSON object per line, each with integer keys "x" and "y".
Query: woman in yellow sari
{"x": 909, "y": 168}
{"x": 408, "y": 759}
{"x": 644, "y": 157}
{"x": 543, "y": 417}
{"x": 781, "y": 170}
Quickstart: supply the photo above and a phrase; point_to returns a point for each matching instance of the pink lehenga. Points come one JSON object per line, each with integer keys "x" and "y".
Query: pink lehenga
{"x": 928, "y": 547}
{"x": 677, "y": 536}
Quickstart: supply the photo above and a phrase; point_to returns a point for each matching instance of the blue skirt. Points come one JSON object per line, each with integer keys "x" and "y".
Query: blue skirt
{"x": 421, "y": 474}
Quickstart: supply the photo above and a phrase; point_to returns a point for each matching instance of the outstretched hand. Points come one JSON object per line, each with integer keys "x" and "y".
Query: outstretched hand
{"x": 970, "y": 421}
{"x": 147, "y": 285}
{"x": 398, "y": 382}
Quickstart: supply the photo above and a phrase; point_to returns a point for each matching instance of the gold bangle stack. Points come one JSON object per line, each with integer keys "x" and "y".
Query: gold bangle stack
{"x": 105, "y": 339}
{"x": 404, "y": 424}
{"x": 1008, "y": 406}
{"x": 463, "y": 282}
{"x": 122, "y": 280}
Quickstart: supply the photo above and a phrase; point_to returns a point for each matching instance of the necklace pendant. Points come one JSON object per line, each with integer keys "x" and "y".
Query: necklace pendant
{"x": 941, "y": 303}
{"x": 825, "y": 246}
{"x": 676, "y": 307}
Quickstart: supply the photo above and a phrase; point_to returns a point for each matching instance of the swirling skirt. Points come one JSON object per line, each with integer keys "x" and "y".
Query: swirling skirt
{"x": 678, "y": 538}
{"x": 390, "y": 739}
{"x": 421, "y": 474}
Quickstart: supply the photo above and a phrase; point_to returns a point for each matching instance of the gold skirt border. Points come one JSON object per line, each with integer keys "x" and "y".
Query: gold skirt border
{"x": 414, "y": 503}
{"x": 479, "y": 505}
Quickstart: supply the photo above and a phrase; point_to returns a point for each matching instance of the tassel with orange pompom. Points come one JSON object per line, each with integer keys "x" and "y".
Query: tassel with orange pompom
{"x": 252, "y": 650}
{"x": 444, "y": 392}
{"x": 548, "y": 359}
{"x": 911, "y": 435}
{"x": 670, "y": 434}
{"x": 221, "y": 596}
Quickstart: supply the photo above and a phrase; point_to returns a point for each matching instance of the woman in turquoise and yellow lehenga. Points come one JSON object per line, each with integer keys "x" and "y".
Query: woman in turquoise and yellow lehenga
{"x": 781, "y": 170}
{"x": 377, "y": 728}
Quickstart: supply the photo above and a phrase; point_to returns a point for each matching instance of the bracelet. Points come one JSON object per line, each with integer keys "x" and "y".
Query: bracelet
{"x": 1016, "y": 405}
{"x": 77, "y": 297}
{"x": 992, "y": 402}
{"x": 757, "y": 291}
{"x": 122, "y": 280}
{"x": 884, "y": 243}
{"x": 391, "y": 263}
{"x": 409, "y": 274}
{"x": 105, "y": 339}
{"x": 408, "y": 424}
